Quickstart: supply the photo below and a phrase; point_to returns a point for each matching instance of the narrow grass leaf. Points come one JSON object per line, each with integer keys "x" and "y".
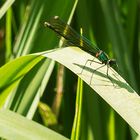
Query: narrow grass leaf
{"x": 5, "y": 7}
{"x": 13, "y": 72}
{"x": 78, "y": 109}
{"x": 119, "y": 95}
{"x": 15, "y": 127}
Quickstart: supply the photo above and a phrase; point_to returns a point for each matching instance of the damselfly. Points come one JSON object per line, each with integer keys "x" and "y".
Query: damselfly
{"x": 75, "y": 39}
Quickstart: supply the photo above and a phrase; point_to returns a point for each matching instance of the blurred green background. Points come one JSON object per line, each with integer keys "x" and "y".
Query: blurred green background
{"x": 115, "y": 27}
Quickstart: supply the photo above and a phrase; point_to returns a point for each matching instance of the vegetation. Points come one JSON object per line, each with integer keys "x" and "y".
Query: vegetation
{"x": 46, "y": 92}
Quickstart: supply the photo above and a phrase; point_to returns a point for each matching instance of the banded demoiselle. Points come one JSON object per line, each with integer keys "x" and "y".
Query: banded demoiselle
{"x": 75, "y": 39}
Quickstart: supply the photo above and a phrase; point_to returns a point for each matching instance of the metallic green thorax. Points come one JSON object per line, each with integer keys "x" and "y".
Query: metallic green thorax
{"x": 102, "y": 56}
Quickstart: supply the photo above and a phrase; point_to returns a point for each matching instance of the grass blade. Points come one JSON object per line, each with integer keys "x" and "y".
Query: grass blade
{"x": 73, "y": 58}
{"x": 14, "y": 127}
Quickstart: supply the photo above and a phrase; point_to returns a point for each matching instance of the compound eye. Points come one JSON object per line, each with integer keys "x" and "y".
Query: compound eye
{"x": 112, "y": 62}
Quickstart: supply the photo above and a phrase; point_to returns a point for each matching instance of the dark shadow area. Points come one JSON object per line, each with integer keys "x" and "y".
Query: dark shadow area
{"x": 117, "y": 83}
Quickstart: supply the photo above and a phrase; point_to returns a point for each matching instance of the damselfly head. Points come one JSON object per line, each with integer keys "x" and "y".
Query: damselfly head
{"x": 112, "y": 62}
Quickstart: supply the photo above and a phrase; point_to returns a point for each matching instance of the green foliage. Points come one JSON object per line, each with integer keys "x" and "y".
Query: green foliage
{"x": 21, "y": 128}
{"x": 113, "y": 25}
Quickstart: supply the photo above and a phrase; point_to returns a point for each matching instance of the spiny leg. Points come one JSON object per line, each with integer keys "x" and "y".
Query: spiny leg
{"x": 108, "y": 74}
{"x": 94, "y": 72}
{"x": 90, "y": 63}
{"x": 95, "y": 61}
{"x": 84, "y": 66}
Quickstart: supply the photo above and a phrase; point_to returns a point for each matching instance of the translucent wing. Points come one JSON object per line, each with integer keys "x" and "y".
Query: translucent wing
{"x": 71, "y": 36}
